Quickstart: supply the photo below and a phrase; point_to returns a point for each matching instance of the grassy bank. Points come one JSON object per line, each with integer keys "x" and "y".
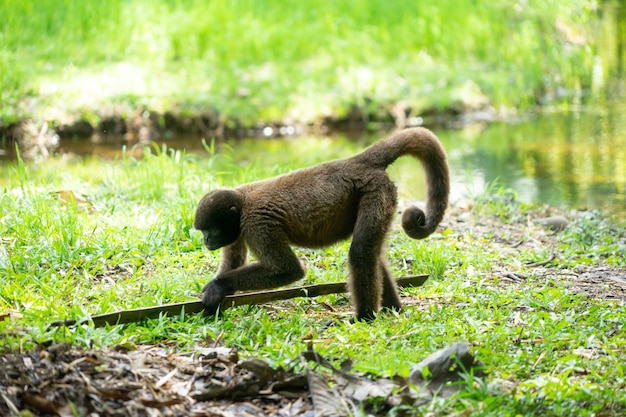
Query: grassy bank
{"x": 554, "y": 342}
{"x": 261, "y": 60}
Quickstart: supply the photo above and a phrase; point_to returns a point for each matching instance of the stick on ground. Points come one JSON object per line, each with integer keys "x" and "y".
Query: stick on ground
{"x": 194, "y": 307}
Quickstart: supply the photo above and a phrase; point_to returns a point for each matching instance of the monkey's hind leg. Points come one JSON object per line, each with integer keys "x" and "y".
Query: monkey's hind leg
{"x": 365, "y": 283}
{"x": 391, "y": 299}
{"x": 368, "y": 275}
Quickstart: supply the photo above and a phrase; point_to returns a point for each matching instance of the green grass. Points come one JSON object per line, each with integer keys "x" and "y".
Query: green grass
{"x": 549, "y": 351}
{"x": 263, "y": 60}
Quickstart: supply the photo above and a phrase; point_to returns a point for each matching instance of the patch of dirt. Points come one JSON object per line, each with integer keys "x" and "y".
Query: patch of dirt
{"x": 596, "y": 282}
{"x": 538, "y": 233}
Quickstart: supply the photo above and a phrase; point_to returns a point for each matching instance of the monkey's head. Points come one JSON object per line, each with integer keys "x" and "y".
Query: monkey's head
{"x": 218, "y": 217}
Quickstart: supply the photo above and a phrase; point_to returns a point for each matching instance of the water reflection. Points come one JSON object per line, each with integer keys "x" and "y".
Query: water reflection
{"x": 575, "y": 160}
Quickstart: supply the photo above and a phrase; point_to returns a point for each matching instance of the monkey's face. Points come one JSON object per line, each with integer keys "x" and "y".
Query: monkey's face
{"x": 218, "y": 217}
{"x": 216, "y": 238}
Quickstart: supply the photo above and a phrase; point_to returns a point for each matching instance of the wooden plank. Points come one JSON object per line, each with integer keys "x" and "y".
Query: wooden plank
{"x": 258, "y": 297}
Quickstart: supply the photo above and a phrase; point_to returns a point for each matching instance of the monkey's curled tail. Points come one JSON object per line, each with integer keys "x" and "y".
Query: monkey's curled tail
{"x": 422, "y": 144}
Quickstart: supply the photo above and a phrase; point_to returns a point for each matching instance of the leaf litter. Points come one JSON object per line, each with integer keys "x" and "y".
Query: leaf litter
{"x": 62, "y": 380}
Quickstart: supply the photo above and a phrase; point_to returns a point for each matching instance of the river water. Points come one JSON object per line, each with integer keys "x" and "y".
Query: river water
{"x": 569, "y": 160}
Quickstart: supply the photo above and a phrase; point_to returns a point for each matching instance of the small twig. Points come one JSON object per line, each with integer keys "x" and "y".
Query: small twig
{"x": 10, "y": 404}
{"x": 194, "y": 307}
{"x": 218, "y": 338}
{"x": 514, "y": 276}
{"x": 68, "y": 366}
{"x": 166, "y": 378}
{"x": 541, "y": 263}
{"x": 541, "y": 355}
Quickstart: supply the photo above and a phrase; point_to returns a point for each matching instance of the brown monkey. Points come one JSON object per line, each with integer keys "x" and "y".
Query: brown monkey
{"x": 316, "y": 207}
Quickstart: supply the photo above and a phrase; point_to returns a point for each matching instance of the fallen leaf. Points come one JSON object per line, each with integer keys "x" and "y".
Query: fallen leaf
{"x": 11, "y": 314}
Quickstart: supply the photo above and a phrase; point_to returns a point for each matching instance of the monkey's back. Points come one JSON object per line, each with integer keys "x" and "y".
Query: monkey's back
{"x": 316, "y": 206}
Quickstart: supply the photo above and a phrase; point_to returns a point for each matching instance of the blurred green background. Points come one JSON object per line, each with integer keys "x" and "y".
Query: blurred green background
{"x": 260, "y": 60}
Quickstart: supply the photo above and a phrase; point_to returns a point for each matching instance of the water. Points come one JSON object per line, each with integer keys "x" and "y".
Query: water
{"x": 575, "y": 160}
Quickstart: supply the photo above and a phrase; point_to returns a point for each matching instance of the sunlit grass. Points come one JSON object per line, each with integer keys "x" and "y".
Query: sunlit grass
{"x": 267, "y": 60}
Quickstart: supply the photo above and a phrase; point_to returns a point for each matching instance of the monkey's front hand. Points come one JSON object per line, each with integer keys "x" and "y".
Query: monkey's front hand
{"x": 214, "y": 293}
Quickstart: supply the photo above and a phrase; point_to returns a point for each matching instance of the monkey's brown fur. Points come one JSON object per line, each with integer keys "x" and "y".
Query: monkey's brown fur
{"x": 316, "y": 207}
